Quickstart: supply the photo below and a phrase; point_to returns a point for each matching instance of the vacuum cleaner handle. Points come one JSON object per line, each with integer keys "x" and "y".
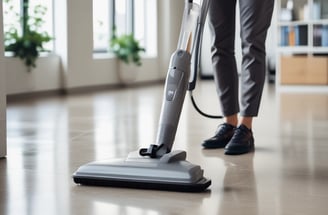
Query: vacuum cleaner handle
{"x": 176, "y": 86}
{"x": 178, "y": 78}
{"x": 196, "y": 52}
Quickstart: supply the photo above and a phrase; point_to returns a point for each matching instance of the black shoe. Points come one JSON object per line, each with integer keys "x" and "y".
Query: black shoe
{"x": 242, "y": 141}
{"x": 221, "y": 138}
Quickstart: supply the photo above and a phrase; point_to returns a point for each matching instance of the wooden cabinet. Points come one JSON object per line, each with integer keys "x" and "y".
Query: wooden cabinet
{"x": 307, "y": 70}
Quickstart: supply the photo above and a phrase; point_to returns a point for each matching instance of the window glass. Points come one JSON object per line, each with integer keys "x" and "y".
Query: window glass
{"x": 137, "y": 16}
{"x": 43, "y": 9}
{"x": 145, "y": 24}
{"x": 121, "y": 14}
{"x": 101, "y": 25}
{"x": 37, "y": 9}
{"x": 11, "y": 15}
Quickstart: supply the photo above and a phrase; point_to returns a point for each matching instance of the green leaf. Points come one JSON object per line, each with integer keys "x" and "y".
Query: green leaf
{"x": 126, "y": 48}
{"x": 28, "y": 46}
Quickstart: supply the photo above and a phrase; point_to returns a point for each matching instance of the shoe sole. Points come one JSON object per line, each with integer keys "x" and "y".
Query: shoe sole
{"x": 214, "y": 146}
{"x": 239, "y": 152}
{"x": 227, "y": 152}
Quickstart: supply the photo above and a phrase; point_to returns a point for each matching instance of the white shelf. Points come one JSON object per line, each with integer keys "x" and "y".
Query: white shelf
{"x": 311, "y": 50}
{"x": 303, "y": 22}
{"x": 303, "y": 88}
{"x": 293, "y": 49}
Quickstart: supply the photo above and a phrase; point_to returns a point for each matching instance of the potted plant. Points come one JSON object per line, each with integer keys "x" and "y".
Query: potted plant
{"x": 27, "y": 45}
{"x": 128, "y": 50}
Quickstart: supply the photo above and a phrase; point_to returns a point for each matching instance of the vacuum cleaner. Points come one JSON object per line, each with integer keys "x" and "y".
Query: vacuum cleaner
{"x": 158, "y": 167}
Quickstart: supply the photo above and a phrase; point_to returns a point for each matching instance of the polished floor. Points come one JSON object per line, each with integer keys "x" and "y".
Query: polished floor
{"x": 49, "y": 138}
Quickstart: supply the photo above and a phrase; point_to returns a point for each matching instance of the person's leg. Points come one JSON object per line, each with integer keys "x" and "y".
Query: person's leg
{"x": 232, "y": 119}
{"x": 247, "y": 121}
{"x": 222, "y": 25}
{"x": 255, "y": 19}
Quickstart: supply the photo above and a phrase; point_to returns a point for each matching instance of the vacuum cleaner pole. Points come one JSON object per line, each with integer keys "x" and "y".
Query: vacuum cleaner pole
{"x": 178, "y": 77}
{"x": 174, "y": 92}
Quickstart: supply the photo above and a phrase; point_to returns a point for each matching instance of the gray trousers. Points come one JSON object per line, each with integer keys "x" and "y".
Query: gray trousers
{"x": 255, "y": 19}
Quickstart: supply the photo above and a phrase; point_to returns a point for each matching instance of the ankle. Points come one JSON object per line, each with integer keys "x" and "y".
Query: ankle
{"x": 232, "y": 120}
{"x": 246, "y": 121}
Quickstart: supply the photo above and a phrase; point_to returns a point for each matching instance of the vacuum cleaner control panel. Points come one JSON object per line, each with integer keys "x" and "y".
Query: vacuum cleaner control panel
{"x": 173, "y": 83}
{"x": 178, "y": 70}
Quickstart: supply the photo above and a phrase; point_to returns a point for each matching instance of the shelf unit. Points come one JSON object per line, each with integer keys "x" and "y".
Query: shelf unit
{"x": 302, "y": 53}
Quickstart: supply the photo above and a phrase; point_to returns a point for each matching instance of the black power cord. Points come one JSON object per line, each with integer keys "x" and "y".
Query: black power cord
{"x": 200, "y": 111}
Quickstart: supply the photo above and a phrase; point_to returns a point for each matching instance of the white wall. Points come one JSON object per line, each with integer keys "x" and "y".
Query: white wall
{"x": 3, "y": 150}
{"x": 46, "y": 76}
{"x": 80, "y": 68}
{"x": 170, "y": 16}
{"x": 74, "y": 64}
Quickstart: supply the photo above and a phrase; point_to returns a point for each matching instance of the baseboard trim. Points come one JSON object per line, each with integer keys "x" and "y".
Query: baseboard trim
{"x": 77, "y": 90}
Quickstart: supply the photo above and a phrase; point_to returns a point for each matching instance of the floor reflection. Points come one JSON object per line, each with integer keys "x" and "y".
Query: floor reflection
{"x": 238, "y": 187}
{"x": 37, "y": 154}
{"x": 303, "y": 139}
{"x": 133, "y": 201}
{"x": 48, "y": 139}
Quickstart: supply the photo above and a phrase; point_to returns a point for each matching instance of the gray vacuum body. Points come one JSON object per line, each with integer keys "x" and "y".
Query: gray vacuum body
{"x": 160, "y": 169}
{"x": 157, "y": 167}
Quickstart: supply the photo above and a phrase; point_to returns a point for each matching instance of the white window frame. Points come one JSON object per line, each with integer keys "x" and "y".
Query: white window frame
{"x": 129, "y": 26}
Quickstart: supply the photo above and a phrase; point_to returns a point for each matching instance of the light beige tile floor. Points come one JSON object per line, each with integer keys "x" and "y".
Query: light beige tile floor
{"x": 48, "y": 139}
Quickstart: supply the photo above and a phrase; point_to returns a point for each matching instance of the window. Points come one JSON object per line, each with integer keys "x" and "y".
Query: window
{"x": 129, "y": 16}
{"x": 12, "y": 13}
{"x": 101, "y": 25}
{"x": 145, "y": 24}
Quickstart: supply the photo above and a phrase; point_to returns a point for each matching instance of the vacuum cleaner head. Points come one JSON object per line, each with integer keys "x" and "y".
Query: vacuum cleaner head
{"x": 170, "y": 172}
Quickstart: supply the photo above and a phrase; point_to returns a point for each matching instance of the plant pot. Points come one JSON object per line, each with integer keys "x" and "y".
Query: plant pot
{"x": 127, "y": 73}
